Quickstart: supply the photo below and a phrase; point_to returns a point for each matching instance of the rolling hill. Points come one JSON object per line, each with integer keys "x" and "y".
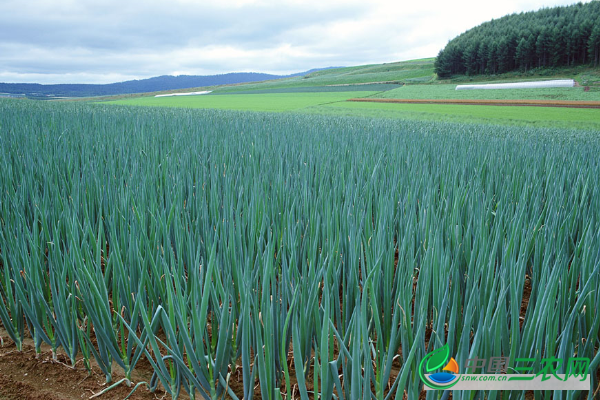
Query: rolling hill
{"x": 159, "y": 83}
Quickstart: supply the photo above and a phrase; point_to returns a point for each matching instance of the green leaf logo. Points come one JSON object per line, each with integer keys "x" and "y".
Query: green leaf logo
{"x": 434, "y": 361}
{"x": 438, "y": 358}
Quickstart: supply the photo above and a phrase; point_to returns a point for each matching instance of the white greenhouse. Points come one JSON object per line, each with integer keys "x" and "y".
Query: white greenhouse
{"x": 557, "y": 83}
{"x": 184, "y": 94}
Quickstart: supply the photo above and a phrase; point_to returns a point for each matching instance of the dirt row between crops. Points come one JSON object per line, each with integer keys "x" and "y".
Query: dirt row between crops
{"x": 534, "y": 103}
{"x": 25, "y": 376}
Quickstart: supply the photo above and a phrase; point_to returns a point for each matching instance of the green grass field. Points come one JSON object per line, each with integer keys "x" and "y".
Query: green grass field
{"x": 586, "y": 119}
{"x": 368, "y": 87}
{"x": 247, "y": 102}
{"x": 412, "y": 71}
{"x": 447, "y": 91}
{"x": 325, "y": 92}
{"x": 334, "y": 103}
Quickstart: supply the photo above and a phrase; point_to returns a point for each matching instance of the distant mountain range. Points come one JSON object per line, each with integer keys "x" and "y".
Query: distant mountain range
{"x": 159, "y": 83}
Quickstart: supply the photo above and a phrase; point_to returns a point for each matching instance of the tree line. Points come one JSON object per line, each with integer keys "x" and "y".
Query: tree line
{"x": 550, "y": 37}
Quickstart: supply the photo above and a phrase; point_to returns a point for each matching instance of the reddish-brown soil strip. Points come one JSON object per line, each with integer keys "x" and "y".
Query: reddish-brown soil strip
{"x": 535, "y": 103}
{"x": 525, "y": 300}
{"x": 24, "y": 376}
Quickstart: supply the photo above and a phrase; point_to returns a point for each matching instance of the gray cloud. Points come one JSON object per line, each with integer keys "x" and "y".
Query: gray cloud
{"x": 102, "y": 41}
{"x": 157, "y": 25}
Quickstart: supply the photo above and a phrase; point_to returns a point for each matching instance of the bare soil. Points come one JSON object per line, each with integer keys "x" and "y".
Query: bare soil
{"x": 525, "y": 300}
{"x": 24, "y": 376}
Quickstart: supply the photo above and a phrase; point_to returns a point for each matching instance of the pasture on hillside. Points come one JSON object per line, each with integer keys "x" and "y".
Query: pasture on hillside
{"x": 286, "y": 101}
{"x": 332, "y": 101}
{"x": 447, "y": 91}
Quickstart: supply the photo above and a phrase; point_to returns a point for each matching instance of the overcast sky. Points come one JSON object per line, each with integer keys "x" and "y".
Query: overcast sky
{"x": 102, "y": 41}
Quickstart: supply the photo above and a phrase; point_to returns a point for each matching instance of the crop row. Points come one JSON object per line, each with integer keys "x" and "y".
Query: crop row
{"x": 299, "y": 253}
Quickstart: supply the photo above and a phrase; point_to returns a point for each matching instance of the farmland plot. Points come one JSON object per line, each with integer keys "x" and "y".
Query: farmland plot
{"x": 294, "y": 253}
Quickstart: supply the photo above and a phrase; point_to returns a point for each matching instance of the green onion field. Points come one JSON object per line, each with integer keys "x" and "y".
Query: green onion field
{"x": 294, "y": 255}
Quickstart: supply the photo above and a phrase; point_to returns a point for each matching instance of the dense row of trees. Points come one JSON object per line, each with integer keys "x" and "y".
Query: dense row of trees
{"x": 550, "y": 37}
